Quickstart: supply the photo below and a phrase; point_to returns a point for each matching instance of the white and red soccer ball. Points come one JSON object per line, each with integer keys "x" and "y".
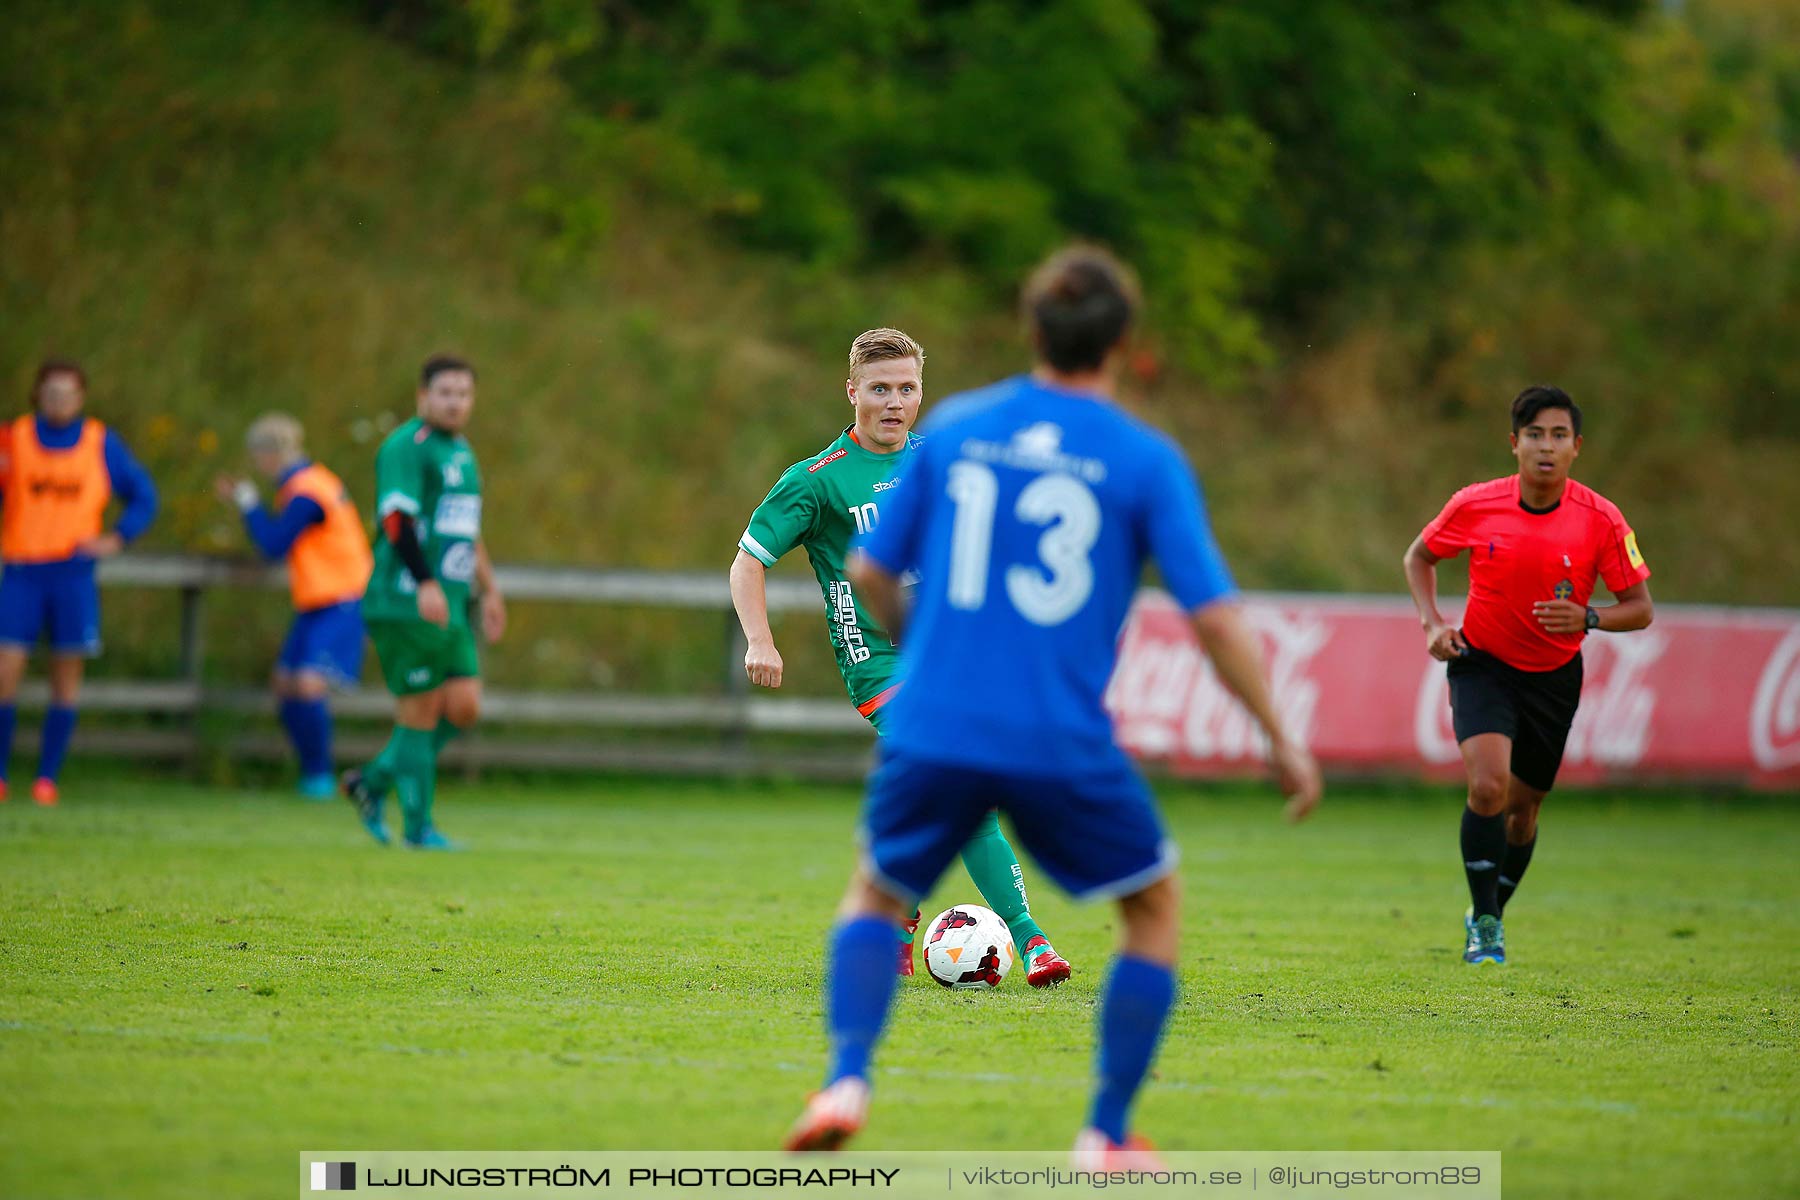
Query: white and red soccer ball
{"x": 968, "y": 948}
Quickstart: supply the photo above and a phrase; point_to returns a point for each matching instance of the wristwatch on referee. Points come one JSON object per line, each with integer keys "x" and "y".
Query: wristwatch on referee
{"x": 1593, "y": 618}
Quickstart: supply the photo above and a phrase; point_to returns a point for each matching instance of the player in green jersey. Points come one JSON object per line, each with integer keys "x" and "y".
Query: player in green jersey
{"x": 428, "y": 556}
{"x": 823, "y": 501}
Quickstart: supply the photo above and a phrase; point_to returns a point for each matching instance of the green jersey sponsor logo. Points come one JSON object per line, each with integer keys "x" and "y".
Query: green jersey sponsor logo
{"x": 849, "y": 632}
{"x": 458, "y": 516}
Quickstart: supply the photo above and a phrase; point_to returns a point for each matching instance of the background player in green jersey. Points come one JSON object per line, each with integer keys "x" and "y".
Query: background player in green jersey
{"x": 823, "y": 501}
{"x": 428, "y": 556}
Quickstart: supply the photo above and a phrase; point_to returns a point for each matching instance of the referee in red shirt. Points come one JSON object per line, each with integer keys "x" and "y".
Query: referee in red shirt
{"x": 1536, "y": 541}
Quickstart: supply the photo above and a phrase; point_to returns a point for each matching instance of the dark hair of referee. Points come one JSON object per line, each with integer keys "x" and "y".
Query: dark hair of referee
{"x": 1529, "y": 404}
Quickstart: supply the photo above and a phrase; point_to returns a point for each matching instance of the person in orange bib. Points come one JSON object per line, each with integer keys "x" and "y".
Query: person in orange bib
{"x": 316, "y": 528}
{"x": 58, "y": 471}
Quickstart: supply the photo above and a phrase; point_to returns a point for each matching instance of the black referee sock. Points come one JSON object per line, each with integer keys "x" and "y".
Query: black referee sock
{"x": 1483, "y": 849}
{"x": 1512, "y": 869}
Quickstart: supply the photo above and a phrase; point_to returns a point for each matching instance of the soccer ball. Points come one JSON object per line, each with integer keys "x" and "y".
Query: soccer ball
{"x": 969, "y": 948}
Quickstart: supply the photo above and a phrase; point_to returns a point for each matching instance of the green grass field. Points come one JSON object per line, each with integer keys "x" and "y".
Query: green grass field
{"x": 196, "y": 984}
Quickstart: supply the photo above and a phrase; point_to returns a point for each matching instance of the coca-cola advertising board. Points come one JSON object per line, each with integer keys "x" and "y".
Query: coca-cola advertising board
{"x": 1704, "y": 694}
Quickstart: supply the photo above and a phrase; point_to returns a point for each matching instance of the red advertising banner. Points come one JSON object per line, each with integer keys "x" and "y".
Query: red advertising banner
{"x": 1703, "y": 694}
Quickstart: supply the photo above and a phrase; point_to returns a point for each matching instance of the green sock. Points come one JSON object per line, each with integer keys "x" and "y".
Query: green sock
{"x": 444, "y": 734}
{"x": 995, "y": 869}
{"x": 906, "y": 935}
{"x": 415, "y": 778}
{"x": 378, "y": 772}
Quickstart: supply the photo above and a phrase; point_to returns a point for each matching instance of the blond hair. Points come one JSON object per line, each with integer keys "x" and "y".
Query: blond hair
{"x": 275, "y": 433}
{"x": 879, "y": 345}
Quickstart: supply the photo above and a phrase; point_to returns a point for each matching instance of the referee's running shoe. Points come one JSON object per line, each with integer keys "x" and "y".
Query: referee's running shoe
{"x": 1487, "y": 942}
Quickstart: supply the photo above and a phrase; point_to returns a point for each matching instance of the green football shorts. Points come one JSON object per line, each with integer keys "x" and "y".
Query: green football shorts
{"x": 417, "y": 656}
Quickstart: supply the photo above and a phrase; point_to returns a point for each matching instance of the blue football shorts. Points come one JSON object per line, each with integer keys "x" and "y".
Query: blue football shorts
{"x": 1097, "y": 834}
{"x": 57, "y": 600}
{"x": 327, "y": 641}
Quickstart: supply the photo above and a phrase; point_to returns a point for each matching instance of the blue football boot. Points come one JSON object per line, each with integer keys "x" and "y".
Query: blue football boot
{"x": 322, "y": 786}
{"x": 366, "y": 803}
{"x": 430, "y": 839}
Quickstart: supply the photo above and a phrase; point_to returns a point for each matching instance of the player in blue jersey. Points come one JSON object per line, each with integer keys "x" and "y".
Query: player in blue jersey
{"x": 1029, "y": 511}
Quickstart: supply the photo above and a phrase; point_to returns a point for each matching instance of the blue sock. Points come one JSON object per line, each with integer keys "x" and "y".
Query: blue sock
{"x": 1138, "y": 996}
{"x": 288, "y": 711}
{"x": 59, "y": 726}
{"x": 9, "y": 717}
{"x": 859, "y": 986}
{"x": 309, "y": 725}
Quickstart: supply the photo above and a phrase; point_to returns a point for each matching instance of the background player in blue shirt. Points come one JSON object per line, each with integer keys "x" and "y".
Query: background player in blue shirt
{"x": 1029, "y": 511}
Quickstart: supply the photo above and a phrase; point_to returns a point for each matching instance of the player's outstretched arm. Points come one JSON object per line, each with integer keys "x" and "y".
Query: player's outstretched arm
{"x": 1237, "y": 658}
{"x": 1443, "y": 641}
{"x": 750, "y": 596}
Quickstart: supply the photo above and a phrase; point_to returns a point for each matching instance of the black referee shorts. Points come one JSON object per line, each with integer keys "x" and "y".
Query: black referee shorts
{"x": 1533, "y": 708}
